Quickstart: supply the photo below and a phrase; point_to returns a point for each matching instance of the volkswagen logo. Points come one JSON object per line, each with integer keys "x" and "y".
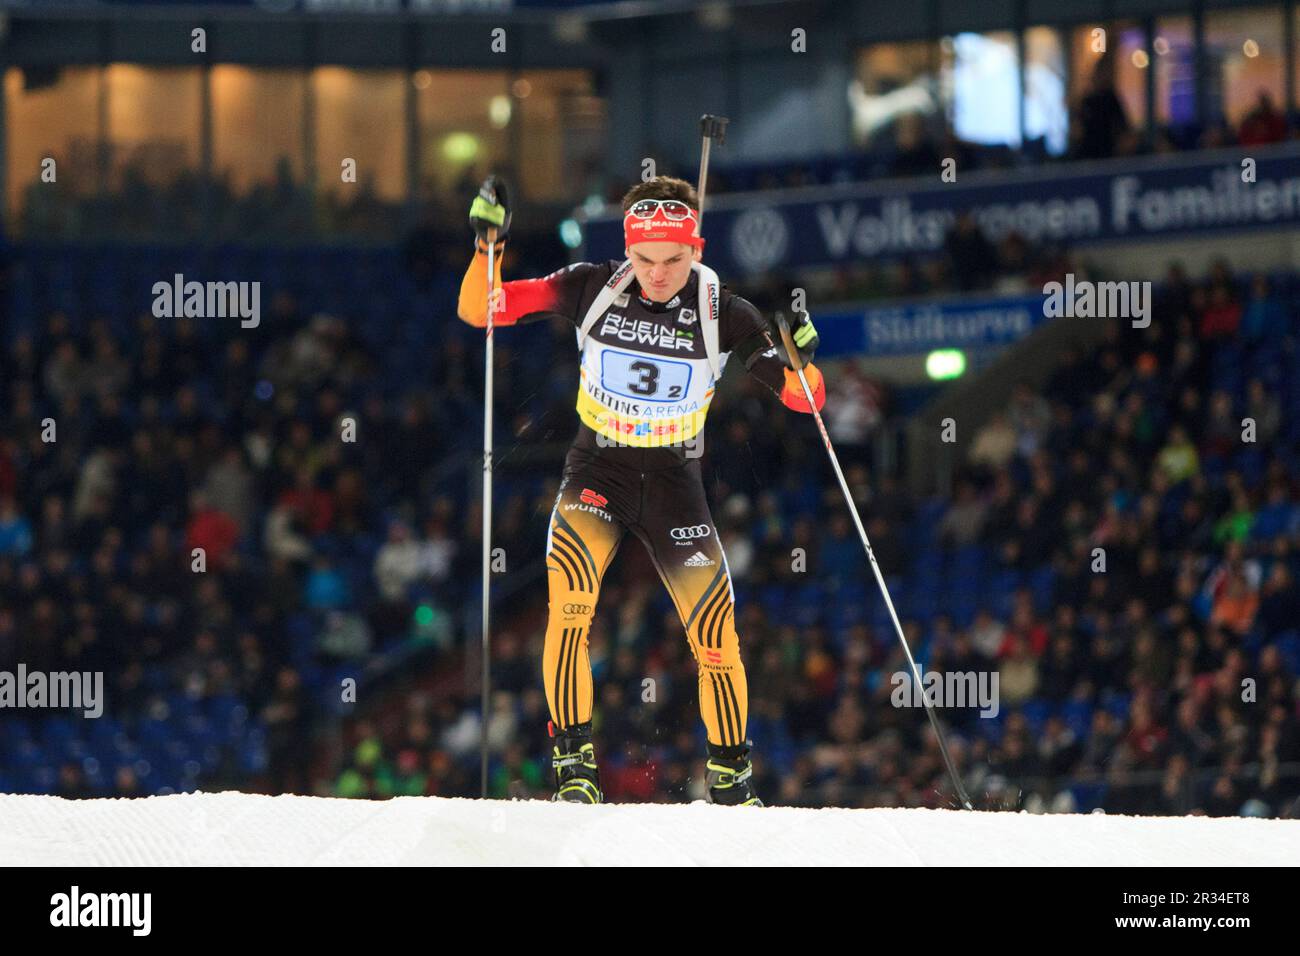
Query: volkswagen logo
{"x": 759, "y": 239}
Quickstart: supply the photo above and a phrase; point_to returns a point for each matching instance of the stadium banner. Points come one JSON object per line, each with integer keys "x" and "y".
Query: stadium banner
{"x": 916, "y": 328}
{"x": 1153, "y": 197}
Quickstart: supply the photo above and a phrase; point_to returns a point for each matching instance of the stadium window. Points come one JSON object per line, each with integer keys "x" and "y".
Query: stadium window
{"x": 1245, "y": 57}
{"x": 980, "y": 87}
{"x": 153, "y": 123}
{"x": 463, "y": 118}
{"x": 1174, "y": 45}
{"x": 51, "y": 114}
{"x": 1046, "y": 109}
{"x": 257, "y": 125}
{"x": 1116, "y": 51}
{"x": 561, "y": 131}
{"x": 360, "y": 115}
{"x": 894, "y": 81}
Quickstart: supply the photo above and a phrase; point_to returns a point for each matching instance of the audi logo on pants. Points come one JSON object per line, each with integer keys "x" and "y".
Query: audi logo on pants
{"x": 693, "y": 531}
{"x": 577, "y": 609}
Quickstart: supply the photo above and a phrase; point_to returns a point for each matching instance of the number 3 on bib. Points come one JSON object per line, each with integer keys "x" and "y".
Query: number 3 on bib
{"x": 635, "y": 376}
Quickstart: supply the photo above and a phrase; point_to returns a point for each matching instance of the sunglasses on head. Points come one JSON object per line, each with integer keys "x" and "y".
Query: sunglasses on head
{"x": 673, "y": 209}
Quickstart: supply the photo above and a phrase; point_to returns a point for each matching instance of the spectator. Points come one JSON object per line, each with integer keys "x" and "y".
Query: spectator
{"x": 914, "y": 152}
{"x": 1236, "y": 524}
{"x": 987, "y": 634}
{"x": 1266, "y": 411}
{"x": 313, "y": 505}
{"x": 964, "y": 520}
{"x": 1178, "y": 459}
{"x": 972, "y": 260}
{"x": 288, "y": 721}
{"x": 1222, "y": 435}
{"x": 283, "y": 535}
{"x": 214, "y": 531}
{"x": 397, "y": 563}
{"x": 1236, "y": 606}
{"x": 1030, "y": 416}
{"x": 1101, "y": 117}
{"x": 326, "y": 587}
{"x": 1264, "y": 318}
{"x": 229, "y": 488}
{"x": 1263, "y": 124}
{"x": 438, "y": 550}
{"x": 15, "y": 530}
{"x": 1279, "y": 606}
{"x": 1018, "y": 672}
{"x": 855, "y": 414}
{"x": 1222, "y": 316}
{"x": 1025, "y": 626}
{"x": 995, "y": 444}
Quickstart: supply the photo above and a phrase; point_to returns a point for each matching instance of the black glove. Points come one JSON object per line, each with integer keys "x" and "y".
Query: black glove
{"x": 805, "y": 338}
{"x": 490, "y": 210}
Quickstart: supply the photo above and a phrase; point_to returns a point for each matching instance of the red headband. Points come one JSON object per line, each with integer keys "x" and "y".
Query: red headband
{"x": 661, "y": 229}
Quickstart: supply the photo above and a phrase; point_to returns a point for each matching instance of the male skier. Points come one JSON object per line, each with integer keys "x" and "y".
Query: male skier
{"x": 654, "y": 332}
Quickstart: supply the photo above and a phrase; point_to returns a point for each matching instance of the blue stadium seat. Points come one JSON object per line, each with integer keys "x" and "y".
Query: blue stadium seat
{"x": 43, "y": 779}
{"x": 963, "y": 610}
{"x": 252, "y": 755}
{"x": 1077, "y": 715}
{"x": 1042, "y": 583}
{"x": 1288, "y": 646}
{"x": 57, "y": 732}
{"x": 1117, "y": 703}
{"x": 775, "y": 599}
{"x": 992, "y": 728}
{"x": 1088, "y": 796}
{"x": 226, "y": 711}
{"x": 809, "y": 607}
{"x": 28, "y": 754}
{"x": 1036, "y": 711}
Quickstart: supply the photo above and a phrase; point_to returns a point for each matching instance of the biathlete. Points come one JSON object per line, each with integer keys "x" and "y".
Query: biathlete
{"x": 655, "y": 333}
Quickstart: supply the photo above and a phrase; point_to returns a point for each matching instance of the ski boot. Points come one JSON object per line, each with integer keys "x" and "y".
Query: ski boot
{"x": 729, "y": 775}
{"x": 574, "y": 759}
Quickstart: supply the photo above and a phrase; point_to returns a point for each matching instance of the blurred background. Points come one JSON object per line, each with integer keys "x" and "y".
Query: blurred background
{"x": 1158, "y": 147}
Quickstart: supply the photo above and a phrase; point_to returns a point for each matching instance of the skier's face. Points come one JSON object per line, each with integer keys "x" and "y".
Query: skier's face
{"x": 662, "y": 268}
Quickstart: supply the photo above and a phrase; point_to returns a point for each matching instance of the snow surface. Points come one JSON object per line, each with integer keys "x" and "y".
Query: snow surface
{"x": 240, "y": 829}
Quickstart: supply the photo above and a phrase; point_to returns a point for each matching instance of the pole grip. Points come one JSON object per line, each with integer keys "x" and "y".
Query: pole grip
{"x": 783, "y": 327}
{"x": 714, "y": 127}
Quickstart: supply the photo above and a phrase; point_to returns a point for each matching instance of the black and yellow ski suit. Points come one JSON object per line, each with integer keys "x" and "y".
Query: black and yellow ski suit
{"x": 641, "y": 357}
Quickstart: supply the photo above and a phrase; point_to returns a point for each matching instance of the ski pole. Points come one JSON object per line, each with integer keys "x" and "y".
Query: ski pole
{"x": 711, "y": 128}
{"x": 797, "y": 365}
{"x": 487, "y": 508}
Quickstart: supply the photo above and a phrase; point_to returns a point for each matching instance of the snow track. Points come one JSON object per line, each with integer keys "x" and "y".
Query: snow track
{"x": 240, "y": 829}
